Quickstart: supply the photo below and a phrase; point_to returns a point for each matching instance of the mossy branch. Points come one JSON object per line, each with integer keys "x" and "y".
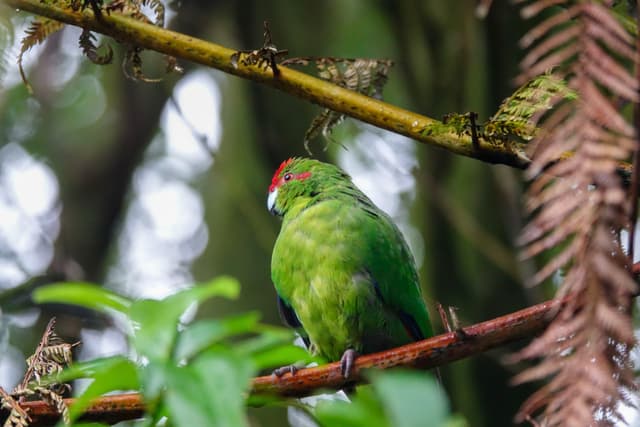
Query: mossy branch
{"x": 487, "y": 148}
{"x": 316, "y": 90}
{"x": 430, "y": 353}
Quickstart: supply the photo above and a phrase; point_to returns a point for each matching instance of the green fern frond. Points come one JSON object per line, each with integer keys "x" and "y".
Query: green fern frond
{"x": 516, "y": 113}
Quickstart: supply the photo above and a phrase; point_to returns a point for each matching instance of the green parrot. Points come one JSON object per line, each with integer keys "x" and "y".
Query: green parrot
{"x": 344, "y": 275}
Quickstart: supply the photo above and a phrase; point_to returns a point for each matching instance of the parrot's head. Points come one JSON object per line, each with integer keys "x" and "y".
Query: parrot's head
{"x": 299, "y": 181}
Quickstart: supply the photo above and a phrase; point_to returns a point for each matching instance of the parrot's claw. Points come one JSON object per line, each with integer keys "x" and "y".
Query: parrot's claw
{"x": 346, "y": 362}
{"x": 292, "y": 369}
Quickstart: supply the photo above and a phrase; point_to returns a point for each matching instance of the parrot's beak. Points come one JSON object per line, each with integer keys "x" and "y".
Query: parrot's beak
{"x": 271, "y": 201}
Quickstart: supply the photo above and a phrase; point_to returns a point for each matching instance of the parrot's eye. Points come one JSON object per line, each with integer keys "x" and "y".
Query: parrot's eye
{"x": 287, "y": 177}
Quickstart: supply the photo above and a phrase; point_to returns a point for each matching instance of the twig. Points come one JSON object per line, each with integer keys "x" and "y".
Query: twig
{"x": 16, "y": 415}
{"x": 475, "y": 141}
{"x": 443, "y": 318}
{"x": 426, "y": 354}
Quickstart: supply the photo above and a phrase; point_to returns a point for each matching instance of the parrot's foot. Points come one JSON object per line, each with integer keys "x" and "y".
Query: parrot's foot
{"x": 346, "y": 362}
{"x": 292, "y": 369}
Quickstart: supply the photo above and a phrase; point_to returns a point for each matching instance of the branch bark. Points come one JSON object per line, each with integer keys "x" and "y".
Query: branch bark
{"x": 426, "y": 354}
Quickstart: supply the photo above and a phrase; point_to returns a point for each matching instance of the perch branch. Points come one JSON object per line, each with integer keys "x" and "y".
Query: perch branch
{"x": 426, "y": 354}
{"x": 318, "y": 91}
{"x": 429, "y": 353}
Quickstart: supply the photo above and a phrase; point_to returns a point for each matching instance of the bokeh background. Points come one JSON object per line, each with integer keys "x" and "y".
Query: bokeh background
{"x": 148, "y": 188}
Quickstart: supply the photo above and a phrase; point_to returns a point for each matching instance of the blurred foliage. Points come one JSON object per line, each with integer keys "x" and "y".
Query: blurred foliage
{"x": 104, "y": 140}
{"x": 395, "y": 398}
{"x": 193, "y": 372}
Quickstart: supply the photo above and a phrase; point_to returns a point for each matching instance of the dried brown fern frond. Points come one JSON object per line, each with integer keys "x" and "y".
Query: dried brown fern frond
{"x": 482, "y": 8}
{"x": 41, "y": 28}
{"x": 578, "y": 203}
{"x": 38, "y": 31}
{"x": 158, "y": 10}
{"x": 132, "y": 65}
{"x": 51, "y": 356}
{"x": 90, "y": 50}
{"x": 18, "y": 417}
{"x": 55, "y": 399}
{"x": 132, "y": 61}
{"x": 365, "y": 76}
{"x": 267, "y": 56}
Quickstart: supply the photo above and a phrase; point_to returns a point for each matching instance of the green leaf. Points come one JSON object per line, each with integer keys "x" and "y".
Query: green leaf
{"x": 223, "y": 286}
{"x": 209, "y": 391}
{"x": 396, "y": 398}
{"x": 457, "y": 420}
{"x": 153, "y": 380}
{"x": 155, "y": 329}
{"x": 90, "y": 425}
{"x": 202, "y": 334}
{"x": 157, "y": 321}
{"x": 364, "y": 410}
{"x": 118, "y": 374}
{"x": 186, "y": 399}
{"x": 266, "y": 340}
{"x": 411, "y": 397}
{"x": 281, "y": 355}
{"x": 88, "y": 369}
{"x": 83, "y": 294}
{"x": 230, "y": 373}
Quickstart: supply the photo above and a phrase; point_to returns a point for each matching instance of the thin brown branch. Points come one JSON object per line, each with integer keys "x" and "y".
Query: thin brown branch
{"x": 430, "y": 353}
{"x": 108, "y": 409}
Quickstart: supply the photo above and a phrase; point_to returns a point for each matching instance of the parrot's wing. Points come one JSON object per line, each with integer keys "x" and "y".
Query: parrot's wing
{"x": 392, "y": 270}
{"x": 410, "y": 324}
{"x": 408, "y": 321}
{"x": 290, "y": 318}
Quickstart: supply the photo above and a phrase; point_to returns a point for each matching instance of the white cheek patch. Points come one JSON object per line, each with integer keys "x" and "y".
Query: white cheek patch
{"x": 271, "y": 199}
